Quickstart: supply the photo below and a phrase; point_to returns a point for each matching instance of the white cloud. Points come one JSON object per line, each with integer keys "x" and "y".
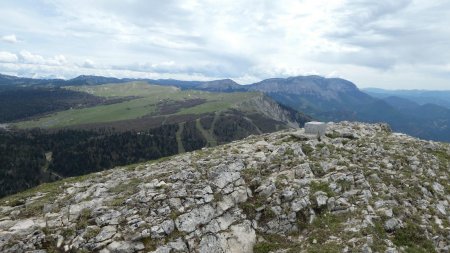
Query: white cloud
{"x": 9, "y": 38}
{"x": 240, "y": 39}
{"x": 88, "y": 64}
{"x": 7, "y": 57}
{"x": 30, "y": 58}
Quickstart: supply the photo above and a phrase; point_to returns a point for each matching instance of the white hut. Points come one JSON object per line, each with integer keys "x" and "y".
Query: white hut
{"x": 316, "y": 128}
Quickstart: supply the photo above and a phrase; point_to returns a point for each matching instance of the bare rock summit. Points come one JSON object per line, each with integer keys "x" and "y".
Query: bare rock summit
{"x": 358, "y": 188}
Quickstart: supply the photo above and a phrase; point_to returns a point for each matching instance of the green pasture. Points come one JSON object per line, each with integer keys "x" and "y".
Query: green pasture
{"x": 145, "y": 103}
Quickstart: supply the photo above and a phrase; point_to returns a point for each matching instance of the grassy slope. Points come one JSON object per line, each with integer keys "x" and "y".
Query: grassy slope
{"x": 206, "y": 134}
{"x": 141, "y": 89}
{"x": 146, "y": 104}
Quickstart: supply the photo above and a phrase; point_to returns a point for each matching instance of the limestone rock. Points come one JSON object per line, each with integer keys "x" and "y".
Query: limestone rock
{"x": 277, "y": 190}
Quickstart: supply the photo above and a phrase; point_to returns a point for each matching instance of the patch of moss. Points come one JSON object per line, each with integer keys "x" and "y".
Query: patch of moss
{"x": 378, "y": 234}
{"x": 83, "y": 219}
{"x": 249, "y": 207}
{"x": 319, "y": 146}
{"x": 411, "y": 237}
{"x": 326, "y": 225}
{"x": 443, "y": 157}
{"x": 48, "y": 190}
{"x": 149, "y": 244}
{"x": 265, "y": 247}
{"x": 174, "y": 214}
{"x": 329, "y": 247}
{"x": 316, "y": 186}
{"x": 49, "y": 244}
{"x": 91, "y": 233}
{"x": 126, "y": 187}
{"x": 267, "y": 215}
{"x": 118, "y": 201}
{"x": 333, "y": 135}
{"x": 307, "y": 149}
{"x": 289, "y": 152}
{"x": 68, "y": 232}
{"x": 344, "y": 184}
{"x": 174, "y": 235}
{"x": 273, "y": 242}
{"x": 279, "y": 181}
{"x": 249, "y": 173}
{"x": 317, "y": 169}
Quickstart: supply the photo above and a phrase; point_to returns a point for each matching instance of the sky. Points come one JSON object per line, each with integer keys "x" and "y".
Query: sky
{"x": 401, "y": 44}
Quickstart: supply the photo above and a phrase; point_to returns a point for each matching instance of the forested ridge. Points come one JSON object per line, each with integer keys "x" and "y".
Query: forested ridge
{"x": 18, "y": 103}
{"x": 31, "y": 157}
{"x": 23, "y": 161}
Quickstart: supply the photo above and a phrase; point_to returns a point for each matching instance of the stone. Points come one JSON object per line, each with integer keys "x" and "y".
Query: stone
{"x": 241, "y": 238}
{"x": 441, "y": 208}
{"x": 125, "y": 247}
{"x": 106, "y": 233}
{"x": 224, "y": 175}
{"x": 178, "y": 246}
{"x": 391, "y": 225}
{"x": 266, "y": 190}
{"x": 287, "y": 195}
{"x": 366, "y": 249}
{"x": 23, "y": 225}
{"x": 168, "y": 226}
{"x": 391, "y": 250}
{"x": 188, "y": 222}
{"x": 320, "y": 198}
{"x": 437, "y": 187}
{"x": 109, "y": 218}
{"x": 220, "y": 198}
{"x": 299, "y": 204}
{"x": 210, "y": 244}
{"x": 157, "y": 232}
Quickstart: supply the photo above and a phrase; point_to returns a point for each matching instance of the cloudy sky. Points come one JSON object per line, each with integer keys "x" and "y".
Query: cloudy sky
{"x": 382, "y": 43}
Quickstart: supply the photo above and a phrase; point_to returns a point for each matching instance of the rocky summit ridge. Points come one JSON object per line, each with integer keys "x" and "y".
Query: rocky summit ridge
{"x": 360, "y": 188}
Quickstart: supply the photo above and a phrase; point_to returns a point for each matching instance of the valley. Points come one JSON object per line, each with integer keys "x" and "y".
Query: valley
{"x": 93, "y": 123}
{"x": 134, "y": 122}
{"x": 224, "y": 126}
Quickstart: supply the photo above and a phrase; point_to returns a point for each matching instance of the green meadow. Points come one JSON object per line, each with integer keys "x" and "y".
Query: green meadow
{"x": 144, "y": 100}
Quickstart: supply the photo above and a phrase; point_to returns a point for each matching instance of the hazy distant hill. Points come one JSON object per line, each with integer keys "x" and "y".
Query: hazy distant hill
{"x": 441, "y": 97}
{"x": 335, "y": 99}
{"x": 328, "y": 99}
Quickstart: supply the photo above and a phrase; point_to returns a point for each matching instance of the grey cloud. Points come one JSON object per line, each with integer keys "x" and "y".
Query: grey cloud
{"x": 392, "y": 33}
{"x": 240, "y": 39}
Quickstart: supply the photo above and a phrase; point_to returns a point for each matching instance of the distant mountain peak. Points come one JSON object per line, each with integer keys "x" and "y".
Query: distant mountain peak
{"x": 93, "y": 80}
{"x": 317, "y": 85}
{"x": 221, "y": 85}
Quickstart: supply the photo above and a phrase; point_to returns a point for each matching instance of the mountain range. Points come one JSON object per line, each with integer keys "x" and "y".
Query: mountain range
{"x": 421, "y": 97}
{"x": 193, "y": 166}
{"x": 55, "y": 132}
{"x": 325, "y": 99}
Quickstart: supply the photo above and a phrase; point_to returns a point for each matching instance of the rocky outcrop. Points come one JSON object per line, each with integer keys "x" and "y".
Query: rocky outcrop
{"x": 272, "y": 110}
{"x": 359, "y": 188}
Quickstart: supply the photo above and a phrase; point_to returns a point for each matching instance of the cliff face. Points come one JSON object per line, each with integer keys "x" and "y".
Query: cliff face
{"x": 361, "y": 188}
{"x": 272, "y": 110}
